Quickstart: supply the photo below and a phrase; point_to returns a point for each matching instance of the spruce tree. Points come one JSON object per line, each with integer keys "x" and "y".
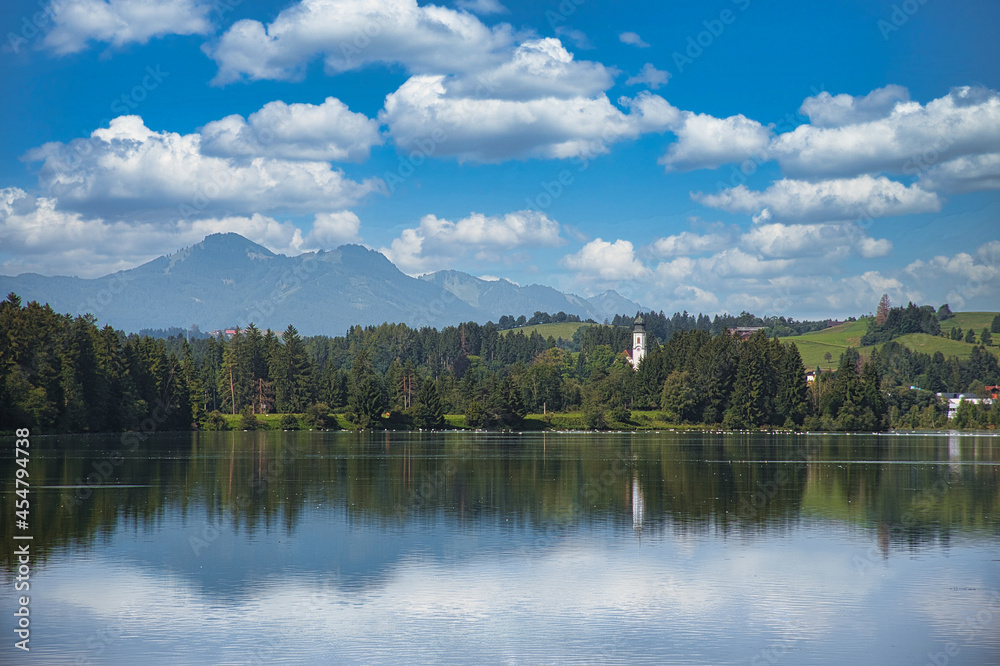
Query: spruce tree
{"x": 365, "y": 397}
{"x": 428, "y": 413}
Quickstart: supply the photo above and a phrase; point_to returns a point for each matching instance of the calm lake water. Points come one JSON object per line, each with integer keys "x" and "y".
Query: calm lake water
{"x": 398, "y": 548}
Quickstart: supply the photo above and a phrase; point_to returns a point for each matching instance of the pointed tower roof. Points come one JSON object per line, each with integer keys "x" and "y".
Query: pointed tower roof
{"x": 639, "y": 324}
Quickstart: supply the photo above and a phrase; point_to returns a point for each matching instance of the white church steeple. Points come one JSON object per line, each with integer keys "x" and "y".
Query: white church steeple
{"x": 638, "y": 341}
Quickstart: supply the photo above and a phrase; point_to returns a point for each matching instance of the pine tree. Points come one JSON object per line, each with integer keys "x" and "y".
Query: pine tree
{"x": 428, "y": 413}
{"x": 753, "y": 391}
{"x": 292, "y": 374}
{"x": 365, "y": 396}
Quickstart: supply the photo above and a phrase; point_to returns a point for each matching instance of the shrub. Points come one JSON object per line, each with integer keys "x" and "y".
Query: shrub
{"x": 249, "y": 420}
{"x": 214, "y": 421}
{"x": 289, "y": 422}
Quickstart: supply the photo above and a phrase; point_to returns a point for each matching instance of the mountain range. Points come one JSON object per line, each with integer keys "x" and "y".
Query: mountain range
{"x": 227, "y": 280}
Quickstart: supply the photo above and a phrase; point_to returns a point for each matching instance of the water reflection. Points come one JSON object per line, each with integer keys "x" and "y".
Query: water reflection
{"x": 334, "y": 547}
{"x": 918, "y": 488}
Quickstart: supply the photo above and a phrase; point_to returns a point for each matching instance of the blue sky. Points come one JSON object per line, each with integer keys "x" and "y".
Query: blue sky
{"x": 781, "y": 157}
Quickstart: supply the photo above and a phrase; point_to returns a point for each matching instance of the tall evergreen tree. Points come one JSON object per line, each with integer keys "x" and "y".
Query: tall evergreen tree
{"x": 428, "y": 413}
{"x": 366, "y": 398}
{"x": 292, "y": 373}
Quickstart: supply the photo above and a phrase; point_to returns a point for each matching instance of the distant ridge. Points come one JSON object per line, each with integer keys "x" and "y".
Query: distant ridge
{"x": 227, "y": 280}
{"x": 496, "y": 298}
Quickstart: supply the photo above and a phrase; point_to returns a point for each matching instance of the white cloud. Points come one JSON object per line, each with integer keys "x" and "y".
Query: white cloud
{"x": 649, "y": 76}
{"x": 438, "y": 243}
{"x": 968, "y": 276}
{"x": 577, "y": 37}
{"x": 35, "y": 236}
{"x": 632, "y": 39}
{"x": 734, "y": 262}
{"x": 482, "y": 6}
{"x": 705, "y": 142}
{"x": 328, "y": 131}
{"x": 838, "y": 199}
{"x": 675, "y": 269}
{"x": 130, "y": 170}
{"x": 120, "y": 22}
{"x": 862, "y": 292}
{"x": 964, "y": 174}
{"x": 351, "y": 34}
{"x": 797, "y": 241}
{"x": 536, "y": 69}
{"x": 491, "y": 130}
{"x": 964, "y": 122}
{"x": 980, "y": 270}
{"x": 692, "y": 298}
{"x": 826, "y": 110}
{"x": 601, "y": 260}
{"x": 688, "y": 242}
{"x": 331, "y": 230}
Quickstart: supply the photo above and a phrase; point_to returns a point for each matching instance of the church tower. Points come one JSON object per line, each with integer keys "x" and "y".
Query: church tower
{"x": 638, "y": 341}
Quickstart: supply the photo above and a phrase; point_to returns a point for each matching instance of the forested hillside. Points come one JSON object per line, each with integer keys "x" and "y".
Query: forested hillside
{"x": 64, "y": 374}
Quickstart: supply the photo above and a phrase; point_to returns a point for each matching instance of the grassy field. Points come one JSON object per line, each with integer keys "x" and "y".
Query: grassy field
{"x": 563, "y": 330}
{"x": 964, "y": 320}
{"x": 813, "y": 346}
{"x": 273, "y": 421}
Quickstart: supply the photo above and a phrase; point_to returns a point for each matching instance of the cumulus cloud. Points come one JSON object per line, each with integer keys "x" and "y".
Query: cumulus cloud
{"x": 536, "y": 69}
{"x": 836, "y": 199}
{"x": 826, "y": 110}
{"x": 328, "y": 131}
{"x": 632, "y": 39}
{"x": 972, "y": 276}
{"x": 127, "y": 169}
{"x": 36, "y": 236}
{"x": 331, "y": 230}
{"x": 482, "y": 6}
{"x": 796, "y": 241}
{"x": 603, "y": 261}
{"x": 649, "y": 76}
{"x": 706, "y": 142}
{"x": 964, "y": 122}
{"x": 438, "y": 243}
{"x": 964, "y": 174}
{"x": 350, "y": 35}
{"x": 491, "y": 130}
{"x": 75, "y": 23}
{"x": 688, "y": 242}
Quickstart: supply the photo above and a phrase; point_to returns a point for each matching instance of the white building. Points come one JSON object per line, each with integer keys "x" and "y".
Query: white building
{"x": 638, "y": 341}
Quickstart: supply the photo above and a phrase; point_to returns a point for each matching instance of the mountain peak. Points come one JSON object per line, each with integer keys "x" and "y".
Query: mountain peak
{"x": 231, "y": 242}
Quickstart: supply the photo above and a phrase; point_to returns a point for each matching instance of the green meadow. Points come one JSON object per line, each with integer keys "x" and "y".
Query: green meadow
{"x": 814, "y": 346}
{"x": 563, "y": 330}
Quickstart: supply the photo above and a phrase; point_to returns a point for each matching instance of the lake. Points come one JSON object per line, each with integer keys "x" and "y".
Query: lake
{"x": 399, "y": 548}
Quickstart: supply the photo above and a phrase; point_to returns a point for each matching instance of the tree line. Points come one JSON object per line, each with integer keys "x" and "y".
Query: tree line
{"x": 64, "y": 374}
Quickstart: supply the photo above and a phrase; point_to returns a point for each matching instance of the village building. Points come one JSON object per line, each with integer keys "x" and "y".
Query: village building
{"x": 638, "y": 342}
